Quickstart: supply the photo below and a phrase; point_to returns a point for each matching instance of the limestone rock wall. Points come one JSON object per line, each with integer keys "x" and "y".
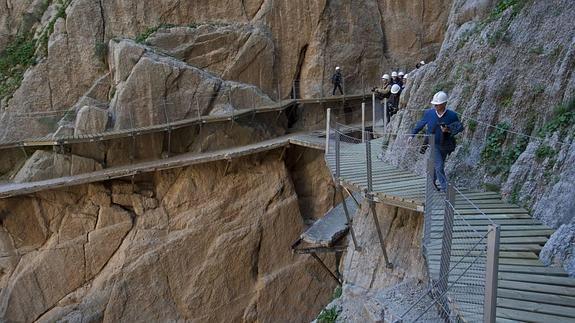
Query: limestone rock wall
{"x": 266, "y": 43}
{"x": 372, "y": 292}
{"x": 509, "y": 68}
{"x": 191, "y": 244}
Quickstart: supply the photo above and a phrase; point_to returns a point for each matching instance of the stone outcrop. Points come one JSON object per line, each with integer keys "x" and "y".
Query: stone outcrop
{"x": 90, "y": 120}
{"x": 239, "y": 52}
{"x": 153, "y": 89}
{"x": 190, "y": 244}
{"x": 45, "y": 164}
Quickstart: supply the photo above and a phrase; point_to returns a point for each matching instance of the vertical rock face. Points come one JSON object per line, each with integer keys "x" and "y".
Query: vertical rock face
{"x": 191, "y": 244}
{"x": 490, "y": 64}
{"x": 153, "y": 89}
{"x": 91, "y": 120}
{"x": 45, "y": 164}
{"x": 372, "y": 292}
{"x": 277, "y": 46}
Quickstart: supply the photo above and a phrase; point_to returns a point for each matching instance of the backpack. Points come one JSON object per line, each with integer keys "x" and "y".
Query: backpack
{"x": 447, "y": 143}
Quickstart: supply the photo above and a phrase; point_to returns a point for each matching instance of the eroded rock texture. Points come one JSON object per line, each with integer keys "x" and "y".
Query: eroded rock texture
{"x": 192, "y": 244}
{"x": 281, "y": 47}
{"x": 489, "y": 64}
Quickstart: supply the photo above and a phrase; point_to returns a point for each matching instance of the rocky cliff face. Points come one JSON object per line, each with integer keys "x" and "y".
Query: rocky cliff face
{"x": 372, "y": 292}
{"x": 277, "y": 46}
{"x": 191, "y": 244}
{"x": 509, "y": 65}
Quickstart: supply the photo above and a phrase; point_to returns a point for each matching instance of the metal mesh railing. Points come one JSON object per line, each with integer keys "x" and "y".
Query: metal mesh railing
{"x": 461, "y": 253}
{"x": 147, "y": 112}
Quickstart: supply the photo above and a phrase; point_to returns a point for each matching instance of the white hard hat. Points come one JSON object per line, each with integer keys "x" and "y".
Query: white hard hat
{"x": 337, "y": 68}
{"x": 439, "y": 98}
{"x": 393, "y": 74}
{"x": 422, "y": 62}
{"x": 385, "y": 77}
{"x": 405, "y": 76}
{"x": 395, "y": 88}
{"x": 400, "y": 74}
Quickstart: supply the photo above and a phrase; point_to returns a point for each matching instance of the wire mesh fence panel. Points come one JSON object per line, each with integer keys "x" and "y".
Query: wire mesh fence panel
{"x": 379, "y": 118}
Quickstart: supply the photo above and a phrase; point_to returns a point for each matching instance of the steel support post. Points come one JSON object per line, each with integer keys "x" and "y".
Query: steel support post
{"x": 445, "y": 262}
{"x": 362, "y": 122}
{"x": 323, "y": 265}
{"x": 327, "y": 129}
{"x": 372, "y": 113}
{"x": 371, "y": 198}
{"x": 491, "y": 269}
{"x": 348, "y": 217}
{"x": 385, "y": 121}
{"x": 429, "y": 201}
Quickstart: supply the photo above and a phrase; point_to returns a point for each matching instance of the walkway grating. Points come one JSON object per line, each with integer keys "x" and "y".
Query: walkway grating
{"x": 528, "y": 291}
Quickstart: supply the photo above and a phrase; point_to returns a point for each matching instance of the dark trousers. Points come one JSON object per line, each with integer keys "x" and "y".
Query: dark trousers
{"x": 439, "y": 159}
{"x": 337, "y": 86}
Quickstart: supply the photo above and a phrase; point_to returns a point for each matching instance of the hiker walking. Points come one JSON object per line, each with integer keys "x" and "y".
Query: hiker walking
{"x": 444, "y": 124}
{"x": 336, "y": 79}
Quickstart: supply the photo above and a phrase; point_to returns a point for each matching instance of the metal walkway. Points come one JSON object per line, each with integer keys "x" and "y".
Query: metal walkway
{"x": 527, "y": 290}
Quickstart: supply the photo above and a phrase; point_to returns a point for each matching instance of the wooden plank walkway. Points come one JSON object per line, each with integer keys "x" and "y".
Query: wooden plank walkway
{"x": 528, "y": 291}
{"x": 299, "y": 139}
{"x": 279, "y": 107}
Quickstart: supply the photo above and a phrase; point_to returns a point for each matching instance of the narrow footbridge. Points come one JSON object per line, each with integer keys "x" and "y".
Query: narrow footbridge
{"x": 168, "y": 125}
{"x": 481, "y": 252}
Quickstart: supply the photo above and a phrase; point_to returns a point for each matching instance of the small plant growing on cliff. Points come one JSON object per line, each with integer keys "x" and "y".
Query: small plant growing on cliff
{"x": 563, "y": 118}
{"x": 537, "y": 50}
{"x": 14, "y": 60}
{"x": 328, "y": 315}
{"x": 336, "y": 292}
{"x": 543, "y": 152}
{"x": 141, "y": 38}
{"x": 472, "y": 125}
{"x": 505, "y": 95}
{"x": 503, "y": 5}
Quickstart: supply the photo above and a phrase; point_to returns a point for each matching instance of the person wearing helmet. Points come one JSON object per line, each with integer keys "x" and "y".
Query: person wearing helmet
{"x": 393, "y": 102}
{"x": 400, "y": 79}
{"x": 384, "y": 91}
{"x": 444, "y": 124}
{"x": 394, "y": 77}
{"x": 336, "y": 80}
{"x": 420, "y": 64}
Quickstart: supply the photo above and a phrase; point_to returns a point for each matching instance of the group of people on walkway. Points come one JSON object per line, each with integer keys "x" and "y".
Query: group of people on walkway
{"x": 440, "y": 122}
{"x": 390, "y": 91}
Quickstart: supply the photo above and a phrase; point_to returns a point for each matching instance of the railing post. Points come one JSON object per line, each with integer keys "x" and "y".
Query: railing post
{"x": 373, "y": 112}
{"x": 371, "y": 199}
{"x": 385, "y": 121}
{"x": 337, "y": 153}
{"x": 446, "y": 244}
{"x": 491, "y": 269}
{"x": 429, "y": 198}
{"x": 327, "y": 125}
{"x": 363, "y": 122}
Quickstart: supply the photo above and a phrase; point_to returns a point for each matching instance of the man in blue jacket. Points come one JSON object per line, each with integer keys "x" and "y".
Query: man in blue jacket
{"x": 444, "y": 124}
